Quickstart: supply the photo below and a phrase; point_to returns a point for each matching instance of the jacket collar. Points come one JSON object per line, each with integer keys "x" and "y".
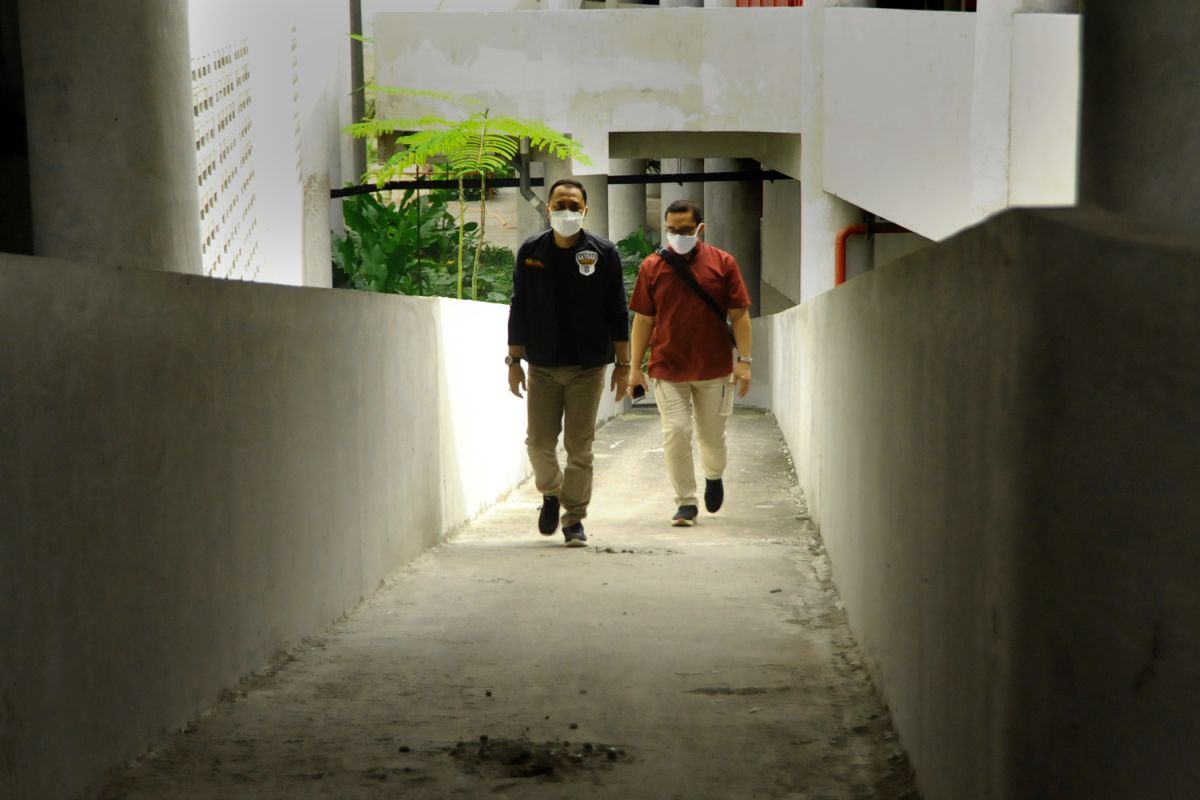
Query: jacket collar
{"x": 589, "y": 240}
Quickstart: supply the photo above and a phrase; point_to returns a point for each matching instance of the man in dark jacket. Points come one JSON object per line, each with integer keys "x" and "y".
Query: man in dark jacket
{"x": 567, "y": 318}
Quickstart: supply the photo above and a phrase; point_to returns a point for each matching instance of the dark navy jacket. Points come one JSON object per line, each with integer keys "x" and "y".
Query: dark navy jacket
{"x": 598, "y": 299}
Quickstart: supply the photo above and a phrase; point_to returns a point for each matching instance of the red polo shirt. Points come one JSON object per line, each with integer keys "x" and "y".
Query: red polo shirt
{"x": 689, "y": 343}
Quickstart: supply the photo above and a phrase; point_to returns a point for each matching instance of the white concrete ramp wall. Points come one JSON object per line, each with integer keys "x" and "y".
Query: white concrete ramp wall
{"x": 997, "y": 437}
{"x": 196, "y": 473}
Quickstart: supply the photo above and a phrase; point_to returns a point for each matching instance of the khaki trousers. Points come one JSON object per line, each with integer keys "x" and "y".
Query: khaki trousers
{"x": 563, "y": 400}
{"x": 678, "y": 404}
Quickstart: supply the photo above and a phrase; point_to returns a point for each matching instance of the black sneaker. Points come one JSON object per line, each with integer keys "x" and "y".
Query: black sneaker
{"x": 714, "y": 494}
{"x": 548, "y": 518}
{"x": 574, "y": 535}
{"x": 685, "y": 517}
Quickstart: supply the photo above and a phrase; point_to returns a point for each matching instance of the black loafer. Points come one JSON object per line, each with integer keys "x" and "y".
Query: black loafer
{"x": 548, "y": 518}
{"x": 714, "y": 494}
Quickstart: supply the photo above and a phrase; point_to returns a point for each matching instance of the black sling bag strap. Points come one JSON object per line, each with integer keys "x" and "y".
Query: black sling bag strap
{"x": 687, "y": 277}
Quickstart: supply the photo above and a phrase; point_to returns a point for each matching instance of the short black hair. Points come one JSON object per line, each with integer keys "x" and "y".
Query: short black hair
{"x": 679, "y": 206}
{"x": 566, "y": 182}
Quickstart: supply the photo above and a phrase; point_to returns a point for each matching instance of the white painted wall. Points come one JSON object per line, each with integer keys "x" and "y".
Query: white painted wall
{"x": 267, "y": 213}
{"x": 897, "y": 115}
{"x": 654, "y": 70}
{"x": 1045, "y": 110}
{"x": 907, "y": 125}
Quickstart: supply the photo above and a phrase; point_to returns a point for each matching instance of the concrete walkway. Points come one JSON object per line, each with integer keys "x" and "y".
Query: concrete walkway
{"x": 659, "y": 662}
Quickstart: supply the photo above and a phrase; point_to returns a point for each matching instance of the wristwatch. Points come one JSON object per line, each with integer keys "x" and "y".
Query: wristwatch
{"x": 745, "y": 359}
{"x": 512, "y": 361}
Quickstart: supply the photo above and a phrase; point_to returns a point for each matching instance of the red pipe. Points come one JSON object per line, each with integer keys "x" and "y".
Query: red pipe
{"x": 859, "y": 229}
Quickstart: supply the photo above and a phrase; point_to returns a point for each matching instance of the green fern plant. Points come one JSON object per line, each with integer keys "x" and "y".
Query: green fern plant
{"x": 478, "y": 144}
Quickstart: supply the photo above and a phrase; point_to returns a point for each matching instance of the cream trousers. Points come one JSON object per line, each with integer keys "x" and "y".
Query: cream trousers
{"x": 707, "y": 402}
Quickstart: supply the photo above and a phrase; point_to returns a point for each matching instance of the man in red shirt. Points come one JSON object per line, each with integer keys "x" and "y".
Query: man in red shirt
{"x": 692, "y": 366}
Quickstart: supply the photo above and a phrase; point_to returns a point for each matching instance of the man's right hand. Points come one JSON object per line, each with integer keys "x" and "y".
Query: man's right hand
{"x": 516, "y": 380}
{"x": 636, "y": 378}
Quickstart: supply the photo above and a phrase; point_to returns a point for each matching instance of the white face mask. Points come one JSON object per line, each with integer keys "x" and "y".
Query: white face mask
{"x": 683, "y": 244}
{"x": 566, "y": 223}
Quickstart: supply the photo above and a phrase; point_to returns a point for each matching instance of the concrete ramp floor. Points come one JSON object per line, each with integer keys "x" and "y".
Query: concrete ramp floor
{"x": 659, "y": 662}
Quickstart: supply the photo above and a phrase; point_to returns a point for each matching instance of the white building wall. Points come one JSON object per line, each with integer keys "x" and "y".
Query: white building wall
{"x": 889, "y": 128}
{"x": 271, "y": 88}
{"x": 897, "y": 115}
{"x": 886, "y": 102}
{"x": 656, "y": 70}
{"x": 903, "y": 113}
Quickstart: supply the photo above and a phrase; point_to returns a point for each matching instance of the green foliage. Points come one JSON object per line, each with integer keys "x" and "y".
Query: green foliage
{"x": 633, "y": 250}
{"x": 411, "y": 248}
{"x": 494, "y": 275}
{"x": 477, "y": 144}
{"x": 386, "y": 246}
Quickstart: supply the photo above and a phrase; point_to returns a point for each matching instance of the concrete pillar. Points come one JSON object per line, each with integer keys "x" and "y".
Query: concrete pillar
{"x": 112, "y": 147}
{"x": 626, "y": 203}
{"x": 1140, "y": 114}
{"x": 720, "y": 3}
{"x": 681, "y": 4}
{"x": 597, "y": 194}
{"x": 670, "y": 192}
{"x": 732, "y": 221}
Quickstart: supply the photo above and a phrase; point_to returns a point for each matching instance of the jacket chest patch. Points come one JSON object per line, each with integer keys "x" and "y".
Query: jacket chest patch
{"x": 586, "y": 259}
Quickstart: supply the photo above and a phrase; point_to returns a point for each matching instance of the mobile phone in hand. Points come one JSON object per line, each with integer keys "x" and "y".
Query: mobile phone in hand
{"x": 639, "y": 392}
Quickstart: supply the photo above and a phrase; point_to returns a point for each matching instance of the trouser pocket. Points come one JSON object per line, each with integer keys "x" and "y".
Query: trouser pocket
{"x": 727, "y": 390}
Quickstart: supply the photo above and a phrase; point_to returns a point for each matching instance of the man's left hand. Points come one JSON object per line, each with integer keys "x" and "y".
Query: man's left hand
{"x": 620, "y": 381}
{"x": 741, "y": 376}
